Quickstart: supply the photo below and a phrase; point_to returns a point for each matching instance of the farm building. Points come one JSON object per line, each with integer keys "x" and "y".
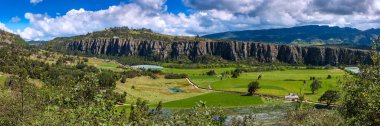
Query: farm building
{"x": 292, "y": 97}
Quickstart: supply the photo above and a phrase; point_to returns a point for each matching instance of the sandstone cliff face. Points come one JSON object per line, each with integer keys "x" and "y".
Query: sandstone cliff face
{"x": 234, "y": 51}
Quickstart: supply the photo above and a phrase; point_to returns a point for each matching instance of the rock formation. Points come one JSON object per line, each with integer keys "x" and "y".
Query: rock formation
{"x": 228, "y": 50}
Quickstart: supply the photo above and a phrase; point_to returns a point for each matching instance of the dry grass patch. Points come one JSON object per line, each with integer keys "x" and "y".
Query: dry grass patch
{"x": 155, "y": 90}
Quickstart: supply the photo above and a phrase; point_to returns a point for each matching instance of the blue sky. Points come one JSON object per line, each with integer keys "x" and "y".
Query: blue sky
{"x": 18, "y": 8}
{"x": 47, "y": 19}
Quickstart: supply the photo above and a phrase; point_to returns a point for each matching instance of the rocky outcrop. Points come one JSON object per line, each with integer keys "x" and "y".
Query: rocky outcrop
{"x": 234, "y": 51}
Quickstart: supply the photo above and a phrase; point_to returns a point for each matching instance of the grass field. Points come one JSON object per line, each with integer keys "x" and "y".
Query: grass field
{"x": 2, "y": 79}
{"x": 156, "y": 90}
{"x": 99, "y": 63}
{"x": 216, "y": 99}
{"x": 102, "y": 64}
{"x": 278, "y": 83}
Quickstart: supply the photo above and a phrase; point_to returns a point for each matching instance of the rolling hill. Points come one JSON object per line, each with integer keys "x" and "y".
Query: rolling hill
{"x": 6, "y": 37}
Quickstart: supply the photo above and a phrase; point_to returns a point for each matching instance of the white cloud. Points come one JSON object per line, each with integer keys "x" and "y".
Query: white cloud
{"x": 5, "y": 28}
{"x": 15, "y": 19}
{"x": 241, "y": 6}
{"x": 207, "y": 16}
{"x": 35, "y": 1}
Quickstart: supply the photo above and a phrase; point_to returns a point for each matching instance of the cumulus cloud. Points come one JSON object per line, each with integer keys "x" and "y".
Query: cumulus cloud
{"x": 286, "y": 13}
{"x": 35, "y": 1}
{"x": 81, "y": 21}
{"x": 5, "y": 28}
{"x": 207, "y": 16}
{"x": 241, "y": 6}
{"x": 343, "y": 7}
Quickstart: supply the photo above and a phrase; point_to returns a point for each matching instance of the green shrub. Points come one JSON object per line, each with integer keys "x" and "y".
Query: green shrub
{"x": 175, "y": 76}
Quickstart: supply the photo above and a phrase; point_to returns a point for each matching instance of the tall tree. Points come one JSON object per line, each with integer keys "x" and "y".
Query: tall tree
{"x": 315, "y": 86}
{"x": 329, "y": 96}
{"x": 360, "y": 102}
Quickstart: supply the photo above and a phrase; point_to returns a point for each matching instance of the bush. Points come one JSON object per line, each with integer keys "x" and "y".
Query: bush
{"x": 328, "y": 67}
{"x": 123, "y": 79}
{"x": 252, "y": 87}
{"x": 107, "y": 79}
{"x": 329, "y": 77}
{"x": 175, "y": 76}
{"x": 211, "y": 73}
{"x": 235, "y": 74}
{"x": 81, "y": 66}
{"x": 315, "y": 86}
{"x": 312, "y": 117}
{"x": 85, "y": 59}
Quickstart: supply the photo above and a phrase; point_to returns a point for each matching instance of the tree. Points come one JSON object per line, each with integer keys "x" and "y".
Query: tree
{"x": 259, "y": 77}
{"x": 211, "y": 73}
{"x": 315, "y": 86}
{"x": 360, "y": 103}
{"x": 330, "y": 96}
{"x": 107, "y": 79}
{"x": 235, "y": 74}
{"x": 123, "y": 79}
{"x": 85, "y": 60}
{"x": 329, "y": 76}
{"x": 252, "y": 87}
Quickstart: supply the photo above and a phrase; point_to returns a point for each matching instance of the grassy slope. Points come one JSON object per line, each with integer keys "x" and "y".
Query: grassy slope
{"x": 2, "y": 79}
{"x": 124, "y": 33}
{"x": 99, "y": 63}
{"x": 11, "y": 38}
{"x": 216, "y": 100}
{"x": 278, "y": 83}
{"x": 102, "y": 64}
{"x": 155, "y": 90}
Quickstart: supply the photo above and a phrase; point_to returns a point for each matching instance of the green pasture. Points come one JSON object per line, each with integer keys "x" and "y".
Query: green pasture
{"x": 156, "y": 90}
{"x": 104, "y": 64}
{"x": 278, "y": 83}
{"x": 216, "y": 99}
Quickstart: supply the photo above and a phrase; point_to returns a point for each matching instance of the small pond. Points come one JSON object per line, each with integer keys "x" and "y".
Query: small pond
{"x": 176, "y": 90}
{"x": 147, "y": 67}
{"x": 354, "y": 70}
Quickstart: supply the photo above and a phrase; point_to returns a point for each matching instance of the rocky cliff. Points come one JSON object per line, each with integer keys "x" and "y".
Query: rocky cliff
{"x": 233, "y": 51}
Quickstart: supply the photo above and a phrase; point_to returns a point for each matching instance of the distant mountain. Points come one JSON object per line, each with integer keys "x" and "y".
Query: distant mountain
{"x": 6, "y": 37}
{"x": 311, "y": 34}
{"x": 37, "y": 43}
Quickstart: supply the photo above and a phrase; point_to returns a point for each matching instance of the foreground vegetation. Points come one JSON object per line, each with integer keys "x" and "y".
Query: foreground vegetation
{"x": 54, "y": 92}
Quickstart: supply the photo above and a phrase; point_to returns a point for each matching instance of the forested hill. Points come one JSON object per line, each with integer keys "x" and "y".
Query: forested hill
{"x": 6, "y": 37}
{"x": 130, "y": 34}
{"x": 323, "y": 35}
